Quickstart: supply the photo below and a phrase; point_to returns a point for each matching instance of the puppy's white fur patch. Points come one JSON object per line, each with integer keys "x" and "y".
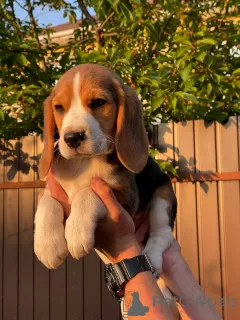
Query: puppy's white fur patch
{"x": 160, "y": 233}
{"x": 86, "y": 210}
{"x": 78, "y": 174}
{"x": 78, "y": 119}
{"x": 50, "y": 245}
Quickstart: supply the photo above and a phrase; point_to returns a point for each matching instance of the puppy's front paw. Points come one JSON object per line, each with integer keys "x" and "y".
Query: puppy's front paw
{"x": 50, "y": 248}
{"x": 157, "y": 243}
{"x": 79, "y": 242}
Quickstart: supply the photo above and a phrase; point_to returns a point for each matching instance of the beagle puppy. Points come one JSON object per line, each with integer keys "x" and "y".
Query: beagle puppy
{"x": 101, "y": 133}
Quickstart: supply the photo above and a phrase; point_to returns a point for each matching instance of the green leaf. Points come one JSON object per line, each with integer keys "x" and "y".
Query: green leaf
{"x": 13, "y": 98}
{"x": 185, "y": 73}
{"x": 29, "y": 100}
{"x": 188, "y": 84}
{"x": 189, "y": 96}
{"x": 209, "y": 88}
{"x": 95, "y": 56}
{"x": 200, "y": 33}
{"x": 206, "y": 41}
{"x": 158, "y": 79}
{"x": 156, "y": 102}
{"x": 236, "y": 72}
{"x": 222, "y": 117}
{"x": 183, "y": 40}
{"x": 181, "y": 51}
{"x": 153, "y": 152}
{"x": 181, "y": 60}
{"x": 201, "y": 78}
{"x": 72, "y": 17}
{"x": 65, "y": 59}
{"x": 200, "y": 56}
{"x": 21, "y": 59}
{"x": 186, "y": 96}
{"x": 1, "y": 115}
{"x": 161, "y": 92}
{"x": 172, "y": 101}
{"x": 126, "y": 9}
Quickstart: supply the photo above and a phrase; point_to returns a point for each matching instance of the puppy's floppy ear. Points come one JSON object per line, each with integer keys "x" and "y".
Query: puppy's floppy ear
{"x": 48, "y": 137}
{"x": 131, "y": 137}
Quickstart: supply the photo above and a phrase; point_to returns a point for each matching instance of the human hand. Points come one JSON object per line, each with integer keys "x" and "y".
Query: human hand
{"x": 172, "y": 257}
{"x": 115, "y": 234}
{"x": 119, "y": 220}
{"x": 58, "y": 193}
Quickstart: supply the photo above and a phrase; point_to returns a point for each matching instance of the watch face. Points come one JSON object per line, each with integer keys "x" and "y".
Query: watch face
{"x": 111, "y": 281}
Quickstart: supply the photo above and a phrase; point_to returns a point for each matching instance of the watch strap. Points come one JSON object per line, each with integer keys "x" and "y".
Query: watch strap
{"x": 118, "y": 274}
{"x": 129, "y": 268}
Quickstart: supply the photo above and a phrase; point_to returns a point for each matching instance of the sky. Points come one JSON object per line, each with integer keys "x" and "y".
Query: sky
{"x": 45, "y": 16}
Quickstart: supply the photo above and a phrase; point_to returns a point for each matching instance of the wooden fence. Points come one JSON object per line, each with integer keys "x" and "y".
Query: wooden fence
{"x": 208, "y": 228}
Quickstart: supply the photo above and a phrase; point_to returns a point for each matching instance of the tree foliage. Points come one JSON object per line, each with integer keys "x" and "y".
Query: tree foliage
{"x": 182, "y": 57}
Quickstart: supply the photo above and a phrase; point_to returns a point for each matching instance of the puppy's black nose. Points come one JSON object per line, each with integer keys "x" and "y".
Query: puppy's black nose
{"x": 74, "y": 139}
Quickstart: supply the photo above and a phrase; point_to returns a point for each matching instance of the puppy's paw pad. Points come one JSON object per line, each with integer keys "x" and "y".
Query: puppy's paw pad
{"x": 74, "y": 240}
{"x": 51, "y": 251}
{"x": 88, "y": 243}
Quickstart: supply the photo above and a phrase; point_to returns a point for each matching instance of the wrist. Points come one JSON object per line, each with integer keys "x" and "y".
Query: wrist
{"x": 171, "y": 276}
{"x": 126, "y": 249}
{"x": 179, "y": 265}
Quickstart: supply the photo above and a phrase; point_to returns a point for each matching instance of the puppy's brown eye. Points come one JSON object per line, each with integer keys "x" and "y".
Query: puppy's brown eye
{"x": 59, "y": 108}
{"x": 96, "y": 103}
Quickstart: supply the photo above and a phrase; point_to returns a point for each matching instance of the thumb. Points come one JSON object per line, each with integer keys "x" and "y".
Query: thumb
{"x": 102, "y": 189}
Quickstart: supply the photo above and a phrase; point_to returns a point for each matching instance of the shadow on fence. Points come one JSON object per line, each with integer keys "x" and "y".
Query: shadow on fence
{"x": 16, "y": 160}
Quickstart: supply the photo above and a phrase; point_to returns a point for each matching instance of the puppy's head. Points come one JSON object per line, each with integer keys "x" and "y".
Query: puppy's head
{"x": 94, "y": 113}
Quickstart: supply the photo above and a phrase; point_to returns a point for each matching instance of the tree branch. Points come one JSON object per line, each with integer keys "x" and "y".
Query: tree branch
{"x": 84, "y": 10}
{"x": 35, "y": 31}
{"x": 109, "y": 17}
{"x": 19, "y": 4}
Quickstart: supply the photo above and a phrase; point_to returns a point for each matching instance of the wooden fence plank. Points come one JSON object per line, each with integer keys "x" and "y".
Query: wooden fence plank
{"x": 165, "y": 141}
{"x": 10, "y": 272}
{"x": 227, "y": 143}
{"x": 74, "y": 289}
{"x": 165, "y": 144}
{"x": 238, "y": 137}
{"x": 207, "y": 200}
{"x": 186, "y": 195}
{"x": 58, "y": 293}
{"x": 1, "y": 229}
{"x": 92, "y": 287}
{"x": 41, "y": 273}
{"x": 26, "y": 207}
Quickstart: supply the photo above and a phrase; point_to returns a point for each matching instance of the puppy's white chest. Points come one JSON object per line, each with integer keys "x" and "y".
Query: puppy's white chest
{"x": 75, "y": 175}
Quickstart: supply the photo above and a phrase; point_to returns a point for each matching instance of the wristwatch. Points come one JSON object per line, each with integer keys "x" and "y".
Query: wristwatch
{"x": 117, "y": 275}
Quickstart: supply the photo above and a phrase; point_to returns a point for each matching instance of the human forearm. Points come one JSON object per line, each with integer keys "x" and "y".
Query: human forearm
{"x": 184, "y": 286}
{"x": 145, "y": 287}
